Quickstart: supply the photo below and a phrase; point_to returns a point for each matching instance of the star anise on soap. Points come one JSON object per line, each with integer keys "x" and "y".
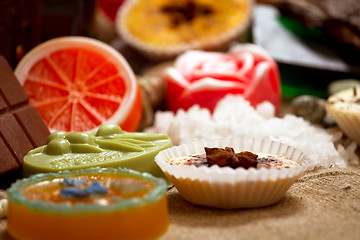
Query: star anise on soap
{"x": 186, "y": 12}
{"x": 247, "y": 159}
{"x": 226, "y": 157}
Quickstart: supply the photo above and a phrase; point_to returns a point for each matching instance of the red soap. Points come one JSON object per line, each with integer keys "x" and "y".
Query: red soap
{"x": 203, "y": 78}
{"x": 21, "y": 127}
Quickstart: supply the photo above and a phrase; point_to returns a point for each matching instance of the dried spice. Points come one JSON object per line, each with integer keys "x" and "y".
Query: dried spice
{"x": 247, "y": 159}
{"x": 76, "y": 188}
{"x": 73, "y": 182}
{"x": 226, "y": 157}
{"x": 185, "y": 13}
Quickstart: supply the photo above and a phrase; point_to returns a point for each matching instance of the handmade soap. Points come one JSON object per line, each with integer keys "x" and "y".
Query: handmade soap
{"x": 21, "y": 127}
{"x": 169, "y": 28}
{"x": 203, "y": 78}
{"x": 243, "y": 173}
{"x": 94, "y": 203}
{"x": 109, "y": 146}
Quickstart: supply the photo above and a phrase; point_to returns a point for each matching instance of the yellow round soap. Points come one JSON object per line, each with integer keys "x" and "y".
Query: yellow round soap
{"x": 163, "y": 28}
{"x": 94, "y": 203}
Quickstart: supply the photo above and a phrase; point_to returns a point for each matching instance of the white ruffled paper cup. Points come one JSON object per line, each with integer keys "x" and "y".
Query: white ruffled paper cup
{"x": 345, "y": 109}
{"x": 230, "y": 188}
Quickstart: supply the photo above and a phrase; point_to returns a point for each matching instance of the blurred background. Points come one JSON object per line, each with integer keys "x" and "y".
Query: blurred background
{"x": 313, "y": 42}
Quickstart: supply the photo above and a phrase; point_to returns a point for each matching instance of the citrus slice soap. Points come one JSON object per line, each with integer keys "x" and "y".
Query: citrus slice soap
{"x": 108, "y": 146}
{"x": 78, "y": 83}
{"x": 169, "y": 28}
{"x": 93, "y": 203}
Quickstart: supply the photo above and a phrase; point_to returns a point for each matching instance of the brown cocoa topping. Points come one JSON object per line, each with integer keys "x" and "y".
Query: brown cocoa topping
{"x": 226, "y": 157}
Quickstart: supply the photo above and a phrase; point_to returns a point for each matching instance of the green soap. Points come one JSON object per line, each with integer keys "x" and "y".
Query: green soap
{"x": 108, "y": 147}
{"x": 57, "y": 146}
{"x": 78, "y": 137}
{"x": 85, "y": 148}
{"x": 57, "y": 134}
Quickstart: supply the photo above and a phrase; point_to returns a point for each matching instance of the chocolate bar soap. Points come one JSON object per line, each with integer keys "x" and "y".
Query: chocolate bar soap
{"x": 21, "y": 127}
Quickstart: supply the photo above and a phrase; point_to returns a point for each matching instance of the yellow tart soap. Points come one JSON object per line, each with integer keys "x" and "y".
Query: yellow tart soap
{"x": 241, "y": 173}
{"x": 109, "y": 146}
{"x": 165, "y": 28}
{"x": 344, "y": 107}
{"x": 93, "y": 203}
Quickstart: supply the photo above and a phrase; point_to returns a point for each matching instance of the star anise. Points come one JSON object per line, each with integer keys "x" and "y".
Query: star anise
{"x": 247, "y": 159}
{"x": 224, "y": 157}
{"x": 186, "y": 12}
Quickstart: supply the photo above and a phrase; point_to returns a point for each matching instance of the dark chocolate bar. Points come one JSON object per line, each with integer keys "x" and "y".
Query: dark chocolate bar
{"x": 20, "y": 25}
{"x": 21, "y": 127}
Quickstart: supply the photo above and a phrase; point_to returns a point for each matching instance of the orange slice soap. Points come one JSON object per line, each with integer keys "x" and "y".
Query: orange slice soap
{"x": 96, "y": 203}
{"x": 165, "y": 28}
{"x": 78, "y": 83}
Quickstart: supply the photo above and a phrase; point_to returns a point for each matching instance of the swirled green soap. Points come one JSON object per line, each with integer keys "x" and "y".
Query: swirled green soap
{"x": 109, "y": 146}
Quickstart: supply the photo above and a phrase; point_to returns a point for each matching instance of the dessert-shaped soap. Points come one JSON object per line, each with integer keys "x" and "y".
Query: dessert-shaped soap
{"x": 227, "y": 157}
{"x": 344, "y": 107}
{"x": 163, "y": 28}
{"x": 94, "y": 203}
{"x": 109, "y": 146}
{"x": 242, "y": 173}
{"x": 21, "y": 127}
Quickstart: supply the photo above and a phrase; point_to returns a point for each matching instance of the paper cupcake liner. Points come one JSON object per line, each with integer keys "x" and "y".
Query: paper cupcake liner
{"x": 165, "y": 52}
{"x": 232, "y": 188}
{"x": 348, "y": 122}
{"x": 344, "y": 108}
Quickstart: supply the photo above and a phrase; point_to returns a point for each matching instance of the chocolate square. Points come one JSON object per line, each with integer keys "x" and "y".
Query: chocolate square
{"x": 10, "y": 88}
{"x": 14, "y": 137}
{"x": 21, "y": 127}
{"x": 7, "y": 161}
{"x": 28, "y": 119}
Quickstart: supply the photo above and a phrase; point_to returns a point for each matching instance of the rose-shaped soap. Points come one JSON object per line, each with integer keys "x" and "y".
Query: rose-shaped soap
{"x": 203, "y": 78}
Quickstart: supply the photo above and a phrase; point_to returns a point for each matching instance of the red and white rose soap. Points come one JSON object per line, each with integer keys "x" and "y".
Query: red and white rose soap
{"x": 203, "y": 78}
